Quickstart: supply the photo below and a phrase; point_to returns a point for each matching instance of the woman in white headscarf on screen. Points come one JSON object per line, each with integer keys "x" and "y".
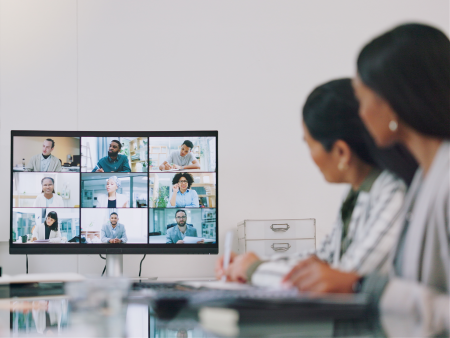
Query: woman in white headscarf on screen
{"x": 113, "y": 199}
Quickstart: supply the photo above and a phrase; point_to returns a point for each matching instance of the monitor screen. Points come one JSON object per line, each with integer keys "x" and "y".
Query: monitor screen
{"x": 114, "y": 192}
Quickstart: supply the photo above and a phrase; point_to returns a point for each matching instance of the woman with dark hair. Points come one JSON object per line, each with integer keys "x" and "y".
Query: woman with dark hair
{"x": 367, "y": 224}
{"x": 48, "y": 197}
{"x": 182, "y": 194}
{"x": 48, "y": 230}
{"x": 403, "y": 85}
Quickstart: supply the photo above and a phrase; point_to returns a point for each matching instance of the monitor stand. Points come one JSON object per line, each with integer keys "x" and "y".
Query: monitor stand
{"x": 114, "y": 267}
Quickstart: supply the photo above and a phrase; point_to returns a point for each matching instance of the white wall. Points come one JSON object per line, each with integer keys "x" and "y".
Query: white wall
{"x": 241, "y": 67}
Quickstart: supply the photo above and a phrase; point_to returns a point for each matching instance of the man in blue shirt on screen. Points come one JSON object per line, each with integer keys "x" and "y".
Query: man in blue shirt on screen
{"x": 113, "y": 163}
{"x": 113, "y": 232}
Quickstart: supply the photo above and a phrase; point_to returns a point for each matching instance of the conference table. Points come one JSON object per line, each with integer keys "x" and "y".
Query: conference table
{"x": 91, "y": 311}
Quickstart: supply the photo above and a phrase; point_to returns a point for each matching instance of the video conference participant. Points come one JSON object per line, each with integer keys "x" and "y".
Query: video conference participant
{"x": 48, "y": 197}
{"x": 368, "y": 223}
{"x": 177, "y": 233}
{"x": 48, "y": 230}
{"x": 45, "y": 161}
{"x": 113, "y": 232}
{"x": 114, "y": 162}
{"x": 182, "y": 194}
{"x": 114, "y": 199}
{"x": 183, "y": 159}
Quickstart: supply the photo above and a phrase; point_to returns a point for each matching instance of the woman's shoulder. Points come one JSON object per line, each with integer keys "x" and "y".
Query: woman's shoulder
{"x": 388, "y": 180}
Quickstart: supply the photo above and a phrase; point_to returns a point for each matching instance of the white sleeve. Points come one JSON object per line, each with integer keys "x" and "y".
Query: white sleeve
{"x": 59, "y": 201}
{"x": 414, "y": 300}
{"x": 272, "y": 272}
{"x": 192, "y": 158}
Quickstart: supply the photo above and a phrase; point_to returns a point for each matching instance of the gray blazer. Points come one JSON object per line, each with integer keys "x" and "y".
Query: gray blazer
{"x": 35, "y": 164}
{"x": 107, "y": 233}
{"x": 419, "y": 282}
{"x": 174, "y": 234}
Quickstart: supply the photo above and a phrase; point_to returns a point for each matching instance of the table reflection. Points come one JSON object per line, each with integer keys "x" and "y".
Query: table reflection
{"x": 57, "y": 316}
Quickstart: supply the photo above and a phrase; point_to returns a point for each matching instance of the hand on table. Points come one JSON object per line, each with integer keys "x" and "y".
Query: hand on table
{"x": 180, "y": 241}
{"x": 167, "y": 166}
{"x": 237, "y": 270}
{"x": 100, "y": 170}
{"x": 115, "y": 240}
{"x": 176, "y": 166}
{"x": 201, "y": 242}
{"x": 315, "y": 275}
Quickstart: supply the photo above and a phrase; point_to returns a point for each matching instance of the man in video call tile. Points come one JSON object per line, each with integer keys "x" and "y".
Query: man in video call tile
{"x": 177, "y": 233}
{"x": 113, "y": 163}
{"x": 45, "y": 161}
{"x": 183, "y": 159}
{"x": 113, "y": 232}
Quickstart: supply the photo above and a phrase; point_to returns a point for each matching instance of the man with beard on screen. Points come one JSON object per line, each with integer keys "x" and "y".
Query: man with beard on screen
{"x": 177, "y": 233}
{"x": 113, "y": 163}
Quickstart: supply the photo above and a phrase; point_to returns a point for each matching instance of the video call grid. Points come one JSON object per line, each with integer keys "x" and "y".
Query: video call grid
{"x": 81, "y": 206}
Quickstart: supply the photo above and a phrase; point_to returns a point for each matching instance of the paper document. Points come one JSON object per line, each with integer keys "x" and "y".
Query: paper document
{"x": 192, "y": 240}
{"x": 218, "y": 285}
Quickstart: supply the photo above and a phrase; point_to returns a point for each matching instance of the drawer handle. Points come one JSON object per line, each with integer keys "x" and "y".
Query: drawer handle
{"x": 280, "y": 229}
{"x": 280, "y": 248}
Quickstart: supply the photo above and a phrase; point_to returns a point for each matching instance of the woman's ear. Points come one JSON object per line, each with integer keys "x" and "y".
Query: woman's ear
{"x": 342, "y": 153}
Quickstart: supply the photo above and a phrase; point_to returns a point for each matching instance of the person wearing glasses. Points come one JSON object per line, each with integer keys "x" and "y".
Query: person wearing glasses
{"x": 177, "y": 233}
{"x": 182, "y": 194}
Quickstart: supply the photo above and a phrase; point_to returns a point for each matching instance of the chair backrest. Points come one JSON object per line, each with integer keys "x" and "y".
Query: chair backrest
{"x": 173, "y": 224}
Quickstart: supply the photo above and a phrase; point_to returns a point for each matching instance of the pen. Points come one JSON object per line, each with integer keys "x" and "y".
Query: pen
{"x": 227, "y": 254}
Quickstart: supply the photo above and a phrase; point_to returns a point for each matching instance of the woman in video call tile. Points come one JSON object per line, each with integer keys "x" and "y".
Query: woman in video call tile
{"x": 114, "y": 199}
{"x": 48, "y": 230}
{"x": 182, "y": 194}
{"x": 48, "y": 198}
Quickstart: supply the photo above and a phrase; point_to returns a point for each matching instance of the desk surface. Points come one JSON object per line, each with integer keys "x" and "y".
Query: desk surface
{"x": 55, "y": 315}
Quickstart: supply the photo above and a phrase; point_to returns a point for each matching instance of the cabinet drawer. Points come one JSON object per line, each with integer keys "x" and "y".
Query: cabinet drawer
{"x": 277, "y": 229}
{"x": 289, "y": 246}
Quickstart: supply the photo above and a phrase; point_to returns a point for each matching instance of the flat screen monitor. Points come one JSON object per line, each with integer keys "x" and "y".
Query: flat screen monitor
{"x": 84, "y": 192}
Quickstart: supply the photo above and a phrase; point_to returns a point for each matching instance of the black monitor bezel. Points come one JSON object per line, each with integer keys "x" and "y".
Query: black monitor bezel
{"x": 89, "y": 249}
